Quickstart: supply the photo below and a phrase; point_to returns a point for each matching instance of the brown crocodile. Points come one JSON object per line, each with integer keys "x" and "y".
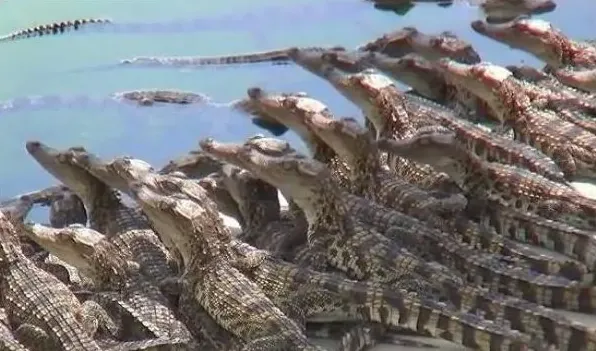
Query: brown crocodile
{"x": 584, "y": 79}
{"x": 555, "y": 82}
{"x": 283, "y": 167}
{"x": 569, "y": 145}
{"x": 396, "y": 43}
{"x": 392, "y": 315}
{"x": 508, "y": 10}
{"x": 542, "y": 40}
{"x": 505, "y": 185}
{"x": 52, "y": 28}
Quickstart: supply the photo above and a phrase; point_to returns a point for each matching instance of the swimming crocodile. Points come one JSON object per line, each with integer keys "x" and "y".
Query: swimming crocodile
{"x": 396, "y": 43}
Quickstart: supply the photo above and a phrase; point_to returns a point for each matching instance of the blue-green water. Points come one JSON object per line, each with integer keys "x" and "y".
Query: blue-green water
{"x": 76, "y": 64}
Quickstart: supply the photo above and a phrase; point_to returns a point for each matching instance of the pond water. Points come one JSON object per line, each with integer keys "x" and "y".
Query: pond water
{"x": 84, "y": 64}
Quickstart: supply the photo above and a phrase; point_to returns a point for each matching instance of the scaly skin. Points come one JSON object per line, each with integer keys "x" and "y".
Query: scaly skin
{"x": 432, "y": 47}
{"x": 569, "y": 145}
{"x": 275, "y": 56}
{"x": 195, "y": 164}
{"x": 422, "y": 75}
{"x": 580, "y": 79}
{"x": 235, "y": 302}
{"x": 109, "y": 264}
{"x": 351, "y": 141}
{"x": 508, "y": 10}
{"x": 549, "y": 81}
{"x": 52, "y": 29}
{"x": 396, "y": 299}
{"x": 505, "y": 185}
{"x": 291, "y": 109}
{"x": 393, "y": 44}
{"x": 50, "y": 312}
{"x": 385, "y": 109}
{"x": 313, "y": 190}
{"x": 107, "y": 214}
{"x": 542, "y": 40}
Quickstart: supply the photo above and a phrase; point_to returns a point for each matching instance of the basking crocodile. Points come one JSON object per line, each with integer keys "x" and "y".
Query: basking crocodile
{"x": 505, "y": 185}
{"x": 508, "y": 10}
{"x": 53, "y": 28}
{"x": 584, "y": 79}
{"x": 557, "y": 81}
{"x": 542, "y": 40}
{"x": 195, "y": 164}
{"x": 145, "y": 97}
{"x": 396, "y": 43}
{"x": 112, "y": 268}
{"x": 158, "y": 203}
{"x": 355, "y": 145}
{"x": 43, "y": 312}
{"x": 569, "y": 145}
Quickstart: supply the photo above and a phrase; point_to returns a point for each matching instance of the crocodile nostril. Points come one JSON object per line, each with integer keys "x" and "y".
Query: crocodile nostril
{"x": 254, "y": 92}
{"x": 477, "y": 26}
{"x": 33, "y": 146}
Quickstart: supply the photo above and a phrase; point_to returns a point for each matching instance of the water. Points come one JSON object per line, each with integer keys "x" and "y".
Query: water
{"x": 74, "y": 64}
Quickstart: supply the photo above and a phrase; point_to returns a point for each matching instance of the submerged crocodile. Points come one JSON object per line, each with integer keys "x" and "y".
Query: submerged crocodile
{"x": 145, "y": 97}
{"x": 542, "y": 40}
{"x": 53, "y": 28}
{"x": 396, "y": 43}
{"x": 507, "y": 10}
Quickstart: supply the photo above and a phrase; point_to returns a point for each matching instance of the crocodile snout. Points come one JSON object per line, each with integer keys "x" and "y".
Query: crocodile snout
{"x": 33, "y": 146}
{"x": 478, "y": 26}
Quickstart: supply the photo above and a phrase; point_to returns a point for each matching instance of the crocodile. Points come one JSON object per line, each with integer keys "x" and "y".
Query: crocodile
{"x": 145, "y": 97}
{"x": 396, "y": 43}
{"x": 555, "y": 82}
{"x": 259, "y": 154}
{"x": 418, "y": 112}
{"x": 44, "y": 313}
{"x": 508, "y": 10}
{"x": 541, "y": 39}
{"x": 158, "y": 202}
{"x": 292, "y": 109}
{"x": 355, "y": 145}
{"x": 502, "y": 184}
{"x": 211, "y": 277}
{"x": 53, "y": 28}
{"x": 581, "y": 79}
{"x": 569, "y": 145}
{"x": 195, "y": 164}
{"x": 112, "y": 269}
{"x": 423, "y": 176}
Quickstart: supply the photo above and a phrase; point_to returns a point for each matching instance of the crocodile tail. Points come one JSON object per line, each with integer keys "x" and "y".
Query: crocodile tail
{"x": 274, "y": 56}
{"x": 52, "y": 29}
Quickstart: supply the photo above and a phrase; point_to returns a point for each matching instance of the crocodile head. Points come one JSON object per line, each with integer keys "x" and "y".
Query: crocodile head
{"x": 527, "y": 73}
{"x": 75, "y": 245}
{"x": 314, "y": 61}
{"x": 257, "y": 200}
{"x": 437, "y": 148}
{"x": 192, "y": 225}
{"x": 364, "y": 89}
{"x": 345, "y": 136}
{"x": 484, "y": 80}
{"x": 416, "y": 72}
{"x": 196, "y": 164}
{"x": 502, "y": 11}
{"x": 217, "y": 191}
{"x": 284, "y": 109}
{"x": 580, "y": 79}
{"x": 61, "y": 165}
{"x": 432, "y": 47}
{"x": 535, "y": 36}
{"x": 276, "y": 162}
